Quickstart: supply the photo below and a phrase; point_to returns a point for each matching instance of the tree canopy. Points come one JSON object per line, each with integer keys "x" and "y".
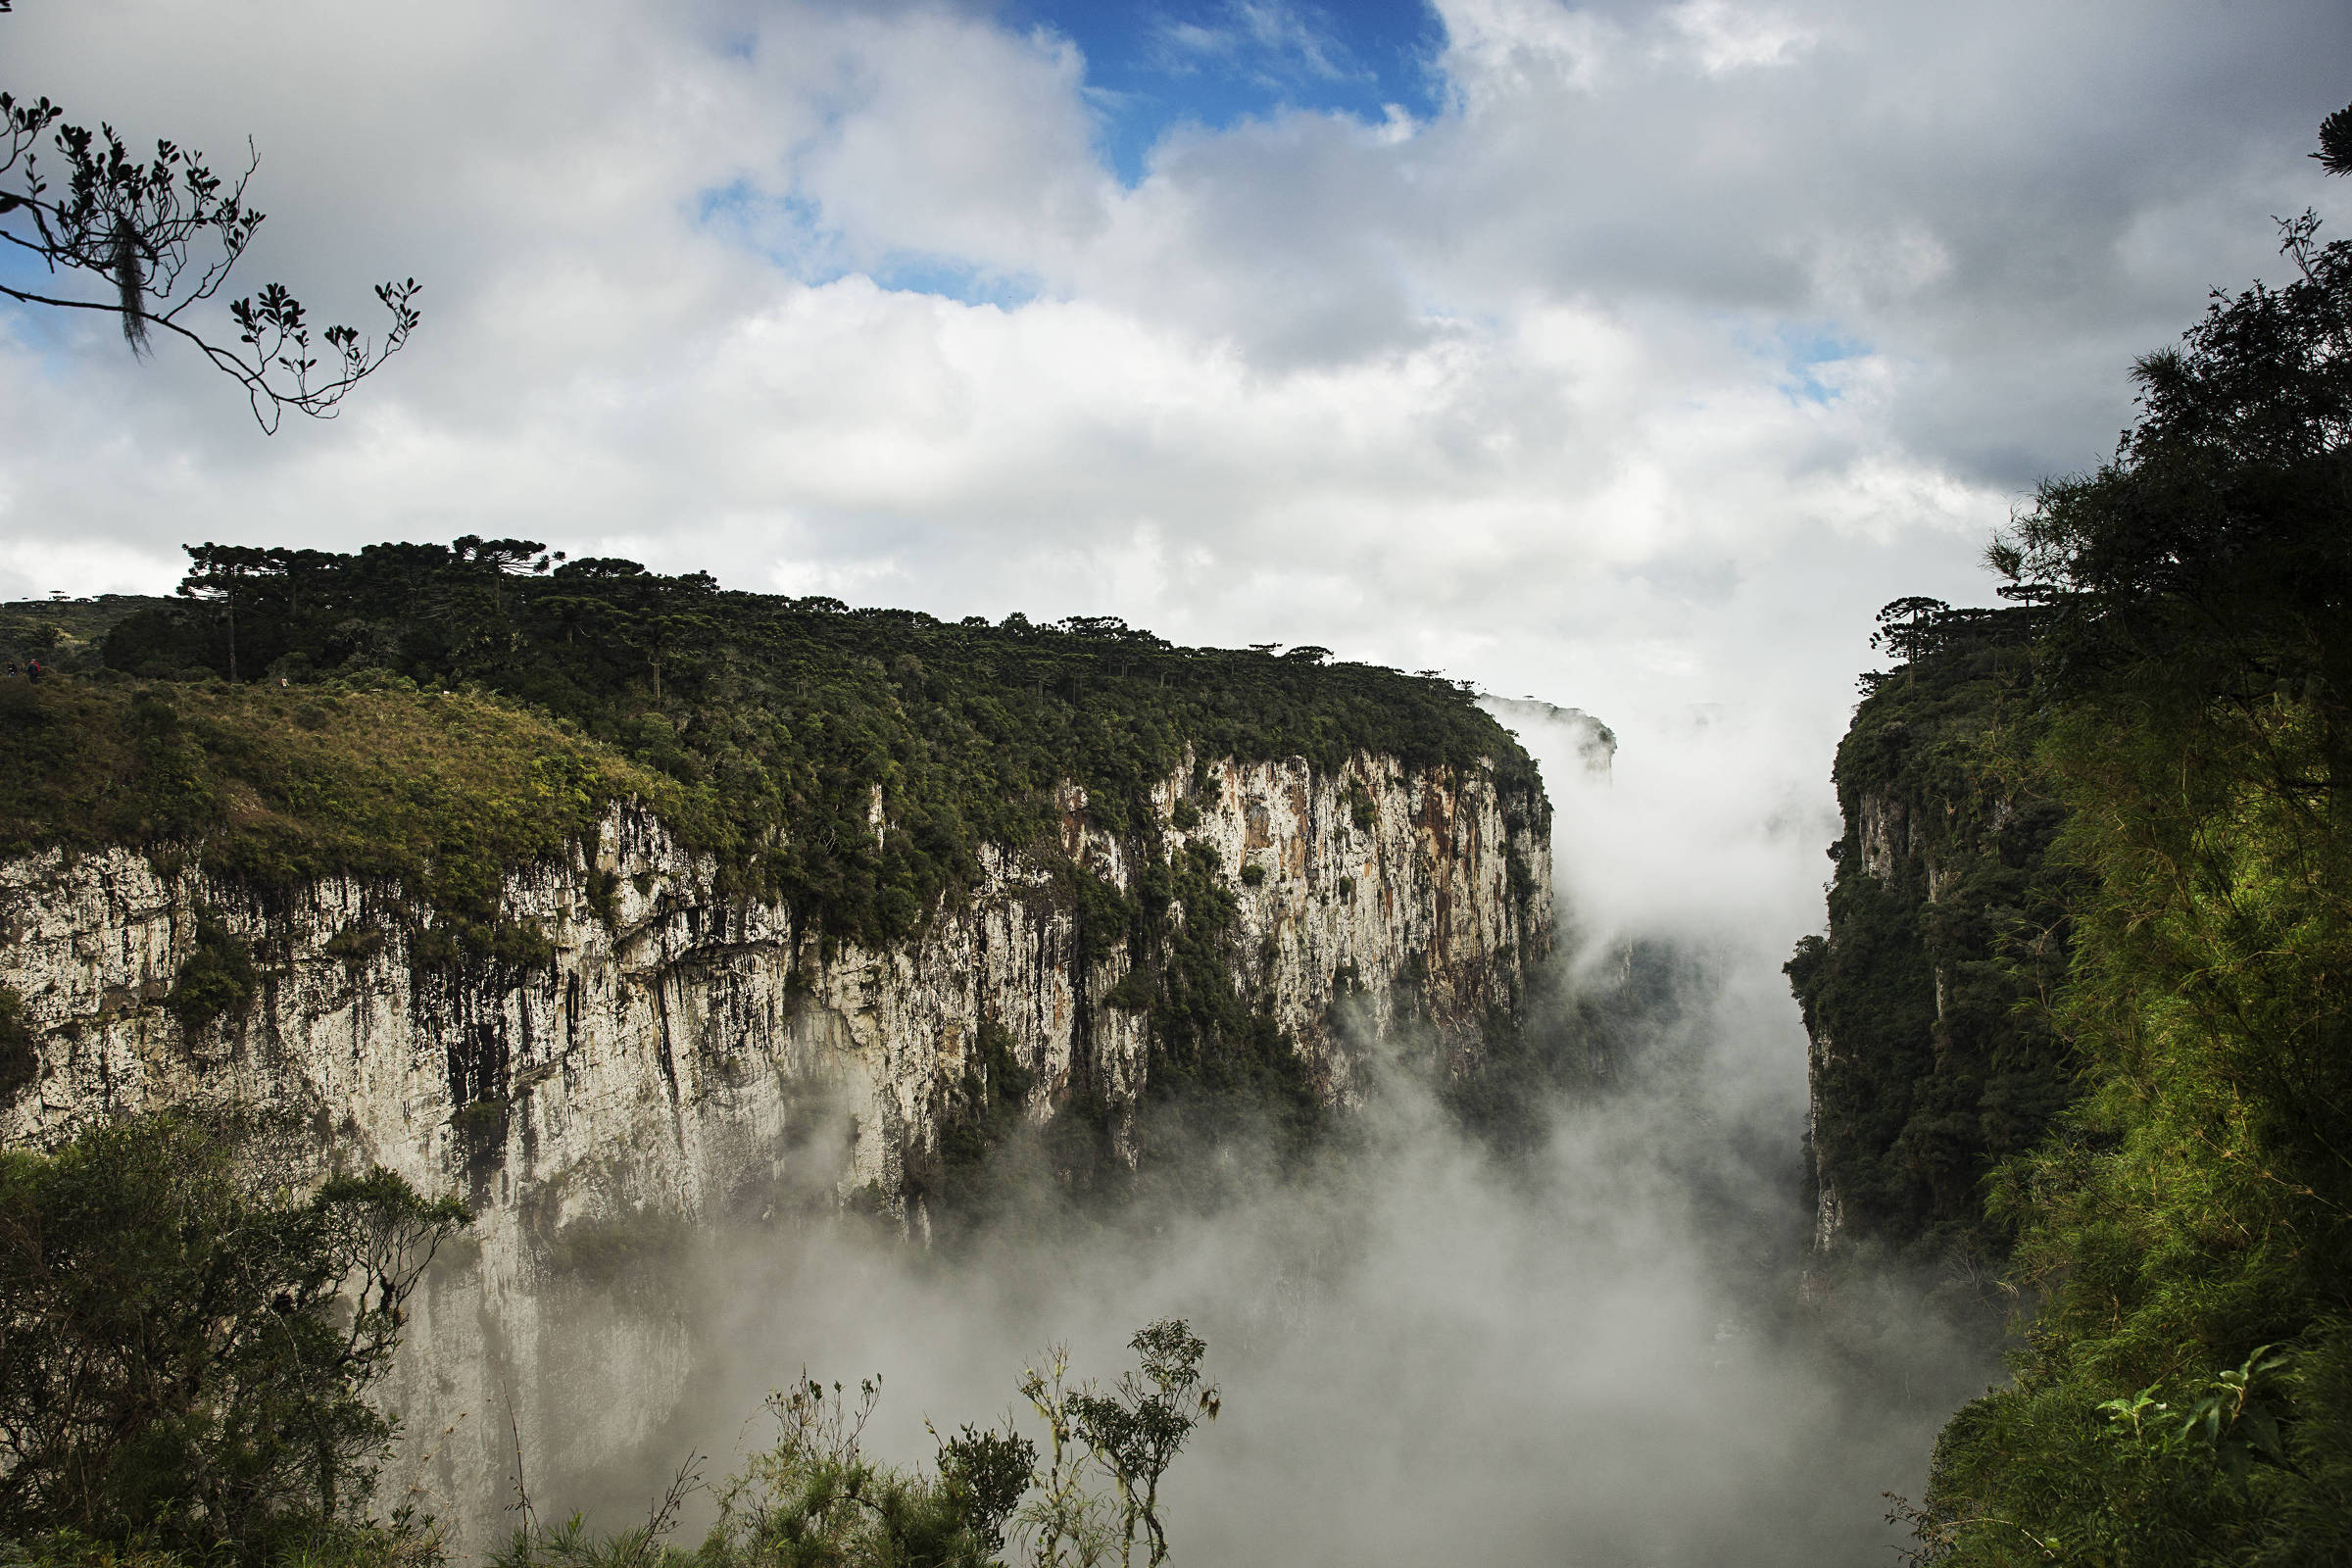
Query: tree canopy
{"x": 189, "y": 1338}
{"x": 776, "y": 719}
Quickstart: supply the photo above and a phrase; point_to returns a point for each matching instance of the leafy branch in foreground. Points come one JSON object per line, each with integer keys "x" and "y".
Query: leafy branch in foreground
{"x": 1064, "y": 1522}
{"x": 163, "y": 234}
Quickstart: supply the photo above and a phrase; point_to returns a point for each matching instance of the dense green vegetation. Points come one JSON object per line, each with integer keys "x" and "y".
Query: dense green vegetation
{"x": 1933, "y": 1068}
{"x": 187, "y": 1341}
{"x": 2183, "y": 1394}
{"x": 775, "y": 719}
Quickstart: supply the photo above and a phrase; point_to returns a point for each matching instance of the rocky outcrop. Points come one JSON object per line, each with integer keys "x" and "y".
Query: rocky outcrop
{"x": 1892, "y": 855}
{"x": 1930, "y": 1061}
{"x": 681, "y": 1022}
{"x": 1886, "y": 838}
{"x": 1594, "y": 742}
{"x": 659, "y": 1052}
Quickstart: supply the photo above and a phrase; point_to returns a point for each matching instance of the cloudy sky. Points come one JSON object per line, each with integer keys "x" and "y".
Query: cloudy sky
{"x": 1628, "y": 354}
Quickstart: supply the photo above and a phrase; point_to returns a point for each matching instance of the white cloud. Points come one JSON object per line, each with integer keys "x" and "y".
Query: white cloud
{"x": 1636, "y": 377}
{"x": 1728, "y": 37}
{"x": 943, "y": 135}
{"x": 1267, "y": 39}
{"x": 1500, "y": 49}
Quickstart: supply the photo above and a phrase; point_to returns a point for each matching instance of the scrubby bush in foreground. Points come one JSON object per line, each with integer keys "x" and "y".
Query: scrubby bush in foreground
{"x": 187, "y": 1339}
{"x": 816, "y": 1500}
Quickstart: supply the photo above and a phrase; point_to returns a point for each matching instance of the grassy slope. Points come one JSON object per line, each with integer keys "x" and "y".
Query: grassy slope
{"x": 64, "y": 634}
{"x": 276, "y": 785}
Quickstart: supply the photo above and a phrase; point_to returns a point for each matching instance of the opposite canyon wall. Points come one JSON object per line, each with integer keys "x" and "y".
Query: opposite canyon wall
{"x": 673, "y": 1057}
{"x": 1929, "y": 1063}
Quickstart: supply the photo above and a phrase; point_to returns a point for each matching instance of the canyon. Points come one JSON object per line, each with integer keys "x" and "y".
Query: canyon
{"x": 675, "y": 1055}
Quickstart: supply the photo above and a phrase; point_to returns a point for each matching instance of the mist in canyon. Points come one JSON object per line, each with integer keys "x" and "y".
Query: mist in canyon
{"x": 1591, "y": 1353}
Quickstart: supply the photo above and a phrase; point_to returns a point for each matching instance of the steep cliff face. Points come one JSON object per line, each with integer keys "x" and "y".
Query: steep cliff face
{"x": 679, "y": 1054}
{"x": 1925, "y": 1068}
{"x": 700, "y": 1017}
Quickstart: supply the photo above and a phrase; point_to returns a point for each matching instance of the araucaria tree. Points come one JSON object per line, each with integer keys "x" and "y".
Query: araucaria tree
{"x": 159, "y": 237}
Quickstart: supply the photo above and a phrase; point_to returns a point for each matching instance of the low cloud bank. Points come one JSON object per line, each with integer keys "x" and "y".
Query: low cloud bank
{"x": 1593, "y": 1355}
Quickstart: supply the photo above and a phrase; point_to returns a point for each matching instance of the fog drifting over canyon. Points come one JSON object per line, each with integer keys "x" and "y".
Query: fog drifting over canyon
{"x": 1597, "y": 1357}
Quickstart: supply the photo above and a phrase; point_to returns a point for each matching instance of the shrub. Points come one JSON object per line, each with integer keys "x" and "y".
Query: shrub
{"x": 355, "y": 944}
{"x": 1133, "y": 993}
{"x": 19, "y": 1057}
{"x": 216, "y": 980}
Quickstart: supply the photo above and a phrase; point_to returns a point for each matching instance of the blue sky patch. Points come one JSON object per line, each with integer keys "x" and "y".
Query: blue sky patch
{"x": 913, "y": 273}
{"x": 1804, "y": 351}
{"x": 1150, "y": 67}
{"x": 791, "y": 233}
